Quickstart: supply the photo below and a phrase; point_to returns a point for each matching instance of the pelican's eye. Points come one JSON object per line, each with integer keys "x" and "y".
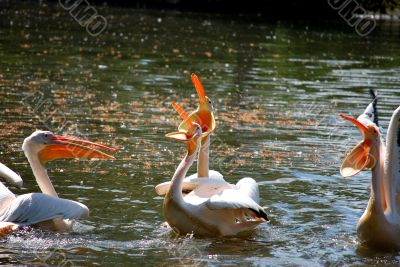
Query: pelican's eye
{"x": 46, "y": 137}
{"x": 375, "y": 132}
{"x": 210, "y": 103}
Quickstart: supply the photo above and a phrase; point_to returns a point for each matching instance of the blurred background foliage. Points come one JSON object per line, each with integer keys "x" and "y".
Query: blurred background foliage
{"x": 278, "y": 7}
{"x": 309, "y": 9}
{"x": 380, "y": 6}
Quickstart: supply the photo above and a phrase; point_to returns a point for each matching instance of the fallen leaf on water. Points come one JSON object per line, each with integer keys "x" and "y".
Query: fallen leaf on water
{"x": 25, "y": 46}
{"x": 208, "y": 54}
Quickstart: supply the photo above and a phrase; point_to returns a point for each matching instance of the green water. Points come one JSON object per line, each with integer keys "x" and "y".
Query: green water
{"x": 277, "y": 88}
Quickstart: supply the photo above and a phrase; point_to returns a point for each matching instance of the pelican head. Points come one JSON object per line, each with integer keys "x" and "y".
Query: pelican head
{"x": 191, "y": 135}
{"x": 366, "y": 153}
{"x": 204, "y": 115}
{"x": 49, "y": 146}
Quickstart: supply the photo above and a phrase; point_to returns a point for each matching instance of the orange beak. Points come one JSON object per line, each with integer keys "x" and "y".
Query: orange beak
{"x": 186, "y": 136}
{"x": 360, "y": 157}
{"x": 203, "y": 115}
{"x": 199, "y": 88}
{"x": 70, "y": 147}
{"x": 183, "y": 114}
{"x": 182, "y": 136}
{"x": 363, "y": 129}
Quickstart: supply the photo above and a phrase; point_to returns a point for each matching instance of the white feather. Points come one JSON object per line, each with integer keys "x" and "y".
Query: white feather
{"x": 231, "y": 199}
{"x": 191, "y": 182}
{"x": 33, "y": 208}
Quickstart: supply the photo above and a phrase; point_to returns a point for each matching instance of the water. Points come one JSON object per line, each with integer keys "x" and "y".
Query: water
{"x": 277, "y": 88}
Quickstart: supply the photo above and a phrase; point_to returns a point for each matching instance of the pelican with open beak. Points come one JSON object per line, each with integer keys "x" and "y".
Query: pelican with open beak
{"x": 204, "y": 117}
{"x": 379, "y": 226}
{"x": 46, "y": 209}
{"x": 206, "y": 210}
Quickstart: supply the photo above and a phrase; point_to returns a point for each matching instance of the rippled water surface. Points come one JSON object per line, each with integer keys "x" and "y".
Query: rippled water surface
{"x": 277, "y": 89}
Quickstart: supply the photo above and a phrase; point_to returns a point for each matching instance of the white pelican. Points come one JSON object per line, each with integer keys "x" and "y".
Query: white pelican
{"x": 6, "y": 195}
{"x": 46, "y": 209}
{"x": 208, "y": 210}
{"x": 379, "y": 226}
{"x": 203, "y": 116}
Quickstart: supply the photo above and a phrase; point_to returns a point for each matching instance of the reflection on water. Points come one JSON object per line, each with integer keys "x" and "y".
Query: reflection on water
{"x": 277, "y": 88}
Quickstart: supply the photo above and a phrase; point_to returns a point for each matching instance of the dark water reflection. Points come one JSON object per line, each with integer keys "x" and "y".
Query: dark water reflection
{"x": 277, "y": 87}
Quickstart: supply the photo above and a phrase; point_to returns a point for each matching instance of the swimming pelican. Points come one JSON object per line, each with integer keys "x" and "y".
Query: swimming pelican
{"x": 6, "y": 195}
{"x": 379, "y": 226}
{"x": 46, "y": 209}
{"x": 203, "y": 116}
{"x": 207, "y": 210}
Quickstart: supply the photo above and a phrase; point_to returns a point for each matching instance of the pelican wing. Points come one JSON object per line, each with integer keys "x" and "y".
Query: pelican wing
{"x": 234, "y": 199}
{"x": 392, "y": 163}
{"x": 10, "y": 175}
{"x": 249, "y": 187}
{"x": 370, "y": 114}
{"x": 33, "y": 208}
{"x": 212, "y": 175}
{"x": 191, "y": 182}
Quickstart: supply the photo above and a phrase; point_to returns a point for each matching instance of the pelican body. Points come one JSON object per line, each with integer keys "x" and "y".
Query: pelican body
{"x": 45, "y": 209}
{"x": 379, "y": 226}
{"x": 207, "y": 211}
{"x": 6, "y": 196}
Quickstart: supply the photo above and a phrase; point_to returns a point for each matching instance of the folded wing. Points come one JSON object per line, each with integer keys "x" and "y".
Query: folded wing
{"x": 33, "y": 208}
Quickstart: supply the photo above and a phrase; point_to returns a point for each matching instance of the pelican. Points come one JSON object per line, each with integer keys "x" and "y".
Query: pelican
{"x": 207, "y": 210}
{"x": 379, "y": 226}
{"x": 46, "y": 209}
{"x": 203, "y": 116}
{"x": 6, "y": 195}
